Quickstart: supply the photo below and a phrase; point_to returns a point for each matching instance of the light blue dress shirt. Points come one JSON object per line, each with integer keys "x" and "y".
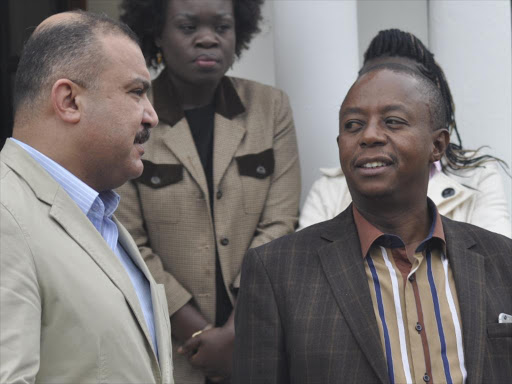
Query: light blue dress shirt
{"x": 99, "y": 208}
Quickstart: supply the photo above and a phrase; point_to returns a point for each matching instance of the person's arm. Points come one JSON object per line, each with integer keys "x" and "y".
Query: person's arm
{"x": 185, "y": 318}
{"x": 279, "y": 215}
{"x": 259, "y": 355}
{"x": 280, "y": 212}
{"x": 20, "y": 311}
{"x": 491, "y": 209}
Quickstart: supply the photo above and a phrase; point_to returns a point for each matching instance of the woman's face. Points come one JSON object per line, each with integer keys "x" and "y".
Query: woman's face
{"x": 198, "y": 40}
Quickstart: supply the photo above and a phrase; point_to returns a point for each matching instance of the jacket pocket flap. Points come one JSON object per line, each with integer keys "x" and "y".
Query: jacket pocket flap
{"x": 160, "y": 175}
{"x": 258, "y": 165}
{"x": 495, "y": 330}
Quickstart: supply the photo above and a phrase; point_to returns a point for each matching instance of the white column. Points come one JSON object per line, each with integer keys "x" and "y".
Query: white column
{"x": 472, "y": 42}
{"x": 316, "y": 58}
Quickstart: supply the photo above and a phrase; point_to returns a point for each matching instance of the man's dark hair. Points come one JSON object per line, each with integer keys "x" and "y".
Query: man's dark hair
{"x": 67, "y": 49}
{"x": 394, "y": 42}
{"x": 433, "y": 94}
{"x": 147, "y": 19}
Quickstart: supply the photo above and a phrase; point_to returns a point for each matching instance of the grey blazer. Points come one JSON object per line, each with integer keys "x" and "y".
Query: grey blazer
{"x": 68, "y": 310}
{"x": 305, "y": 315}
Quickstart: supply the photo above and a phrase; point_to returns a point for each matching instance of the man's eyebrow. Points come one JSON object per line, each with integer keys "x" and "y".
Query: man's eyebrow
{"x": 351, "y": 110}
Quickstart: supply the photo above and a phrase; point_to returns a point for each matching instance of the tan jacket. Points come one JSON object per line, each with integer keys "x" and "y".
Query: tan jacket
{"x": 256, "y": 179}
{"x": 68, "y": 310}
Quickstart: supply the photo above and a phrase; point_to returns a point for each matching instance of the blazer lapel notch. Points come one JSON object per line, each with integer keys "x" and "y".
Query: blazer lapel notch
{"x": 181, "y": 143}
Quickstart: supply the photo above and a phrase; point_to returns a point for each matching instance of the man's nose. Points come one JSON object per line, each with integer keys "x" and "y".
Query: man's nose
{"x": 373, "y": 134}
{"x": 150, "y": 117}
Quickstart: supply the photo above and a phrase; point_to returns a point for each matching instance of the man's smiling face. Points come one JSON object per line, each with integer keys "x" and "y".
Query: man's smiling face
{"x": 386, "y": 139}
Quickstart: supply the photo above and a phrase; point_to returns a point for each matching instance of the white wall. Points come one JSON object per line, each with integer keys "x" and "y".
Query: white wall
{"x": 315, "y": 65}
{"x": 376, "y": 15}
{"x": 472, "y": 42}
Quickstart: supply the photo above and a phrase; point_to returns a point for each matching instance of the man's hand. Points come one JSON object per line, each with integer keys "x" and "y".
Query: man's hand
{"x": 212, "y": 351}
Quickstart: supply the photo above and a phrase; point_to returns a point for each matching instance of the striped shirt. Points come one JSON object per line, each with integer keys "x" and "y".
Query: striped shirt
{"x": 99, "y": 208}
{"x": 415, "y": 304}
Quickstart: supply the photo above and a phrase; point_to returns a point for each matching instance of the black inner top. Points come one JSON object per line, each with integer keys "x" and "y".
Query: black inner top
{"x": 201, "y": 121}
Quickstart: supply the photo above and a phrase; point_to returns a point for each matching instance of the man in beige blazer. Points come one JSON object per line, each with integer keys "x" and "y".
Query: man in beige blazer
{"x": 77, "y": 302}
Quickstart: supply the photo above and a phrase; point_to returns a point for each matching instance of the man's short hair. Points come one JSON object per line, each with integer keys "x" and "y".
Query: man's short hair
{"x": 64, "y": 49}
{"x": 434, "y": 96}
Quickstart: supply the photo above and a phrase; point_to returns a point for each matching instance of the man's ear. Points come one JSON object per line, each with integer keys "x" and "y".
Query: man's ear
{"x": 64, "y": 100}
{"x": 440, "y": 141}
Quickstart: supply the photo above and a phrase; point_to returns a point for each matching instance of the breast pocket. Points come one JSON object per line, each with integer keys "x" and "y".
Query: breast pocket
{"x": 160, "y": 188}
{"x": 255, "y": 172}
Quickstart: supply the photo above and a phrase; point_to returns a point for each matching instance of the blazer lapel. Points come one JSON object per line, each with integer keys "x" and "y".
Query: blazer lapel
{"x": 344, "y": 268}
{"x": 162, "y": 337}
{"x": 468, "y": 269}
{"x": 78, "y": 226}
{"x": 180, "y": 141}
{"x": 227, "y": 137}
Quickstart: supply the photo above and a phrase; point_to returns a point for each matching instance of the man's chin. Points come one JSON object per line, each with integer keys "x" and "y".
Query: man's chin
{"x": 367, "y": 191}
{"x": 138, "y": 169}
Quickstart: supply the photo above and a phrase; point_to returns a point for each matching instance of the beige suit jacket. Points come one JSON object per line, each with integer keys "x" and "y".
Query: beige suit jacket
{"x": 256, "y": 182}
{"x": 68, "y": 310}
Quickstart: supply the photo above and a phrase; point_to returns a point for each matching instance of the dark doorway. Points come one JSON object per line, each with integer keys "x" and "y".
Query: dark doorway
{"x": 18, "y": 18}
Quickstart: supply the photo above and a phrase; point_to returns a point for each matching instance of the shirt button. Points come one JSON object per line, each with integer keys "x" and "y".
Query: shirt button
{"x": 261, "y": 170}
{"x": 412, "y": 278}
{"x": 447, "y": 192}
{"x": 155, "y": 180}
{"x": 224, "y": 241}
{"x": 426, "y": 378}
{"x": 418, "y": 327}
{"x": 219, "y": 195}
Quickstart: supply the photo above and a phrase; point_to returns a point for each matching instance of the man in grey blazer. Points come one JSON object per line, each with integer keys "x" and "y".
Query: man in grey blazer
{"x": 77, "y": 302}
{"x": 388, "y": 291}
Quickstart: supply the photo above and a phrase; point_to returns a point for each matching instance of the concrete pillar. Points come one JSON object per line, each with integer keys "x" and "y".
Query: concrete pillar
{"x": 472, "y": 42}
{"x": 316, "y": 58}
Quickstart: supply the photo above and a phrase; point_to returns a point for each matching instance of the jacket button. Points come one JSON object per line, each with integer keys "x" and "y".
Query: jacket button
{"x": 426, "y": 378}
{"x": 448, "y": 192}
{"x": 224, "y": 241}
{"x": 418, "y": 327}
{"x": 261, "y": 170}
{"x": 412, "y": 278}
{"x": 219, "y": 195}
{"x": 155, "y": 180}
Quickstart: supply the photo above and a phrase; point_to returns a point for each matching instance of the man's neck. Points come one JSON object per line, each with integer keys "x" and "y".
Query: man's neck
{"x": 410, "y": 221}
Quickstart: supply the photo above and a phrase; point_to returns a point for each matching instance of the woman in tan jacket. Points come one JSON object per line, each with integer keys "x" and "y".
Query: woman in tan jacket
{"x": 221, "y": 172}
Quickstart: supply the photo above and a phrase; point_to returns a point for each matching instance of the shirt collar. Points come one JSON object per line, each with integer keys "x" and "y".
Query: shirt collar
{"x": 83, "y": 195}
{"x": 369, "y": 234}
{"x": 168, "y": 107}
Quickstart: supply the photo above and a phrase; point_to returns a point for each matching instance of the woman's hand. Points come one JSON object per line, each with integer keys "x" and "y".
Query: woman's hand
{"x": 212, "y": 351}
